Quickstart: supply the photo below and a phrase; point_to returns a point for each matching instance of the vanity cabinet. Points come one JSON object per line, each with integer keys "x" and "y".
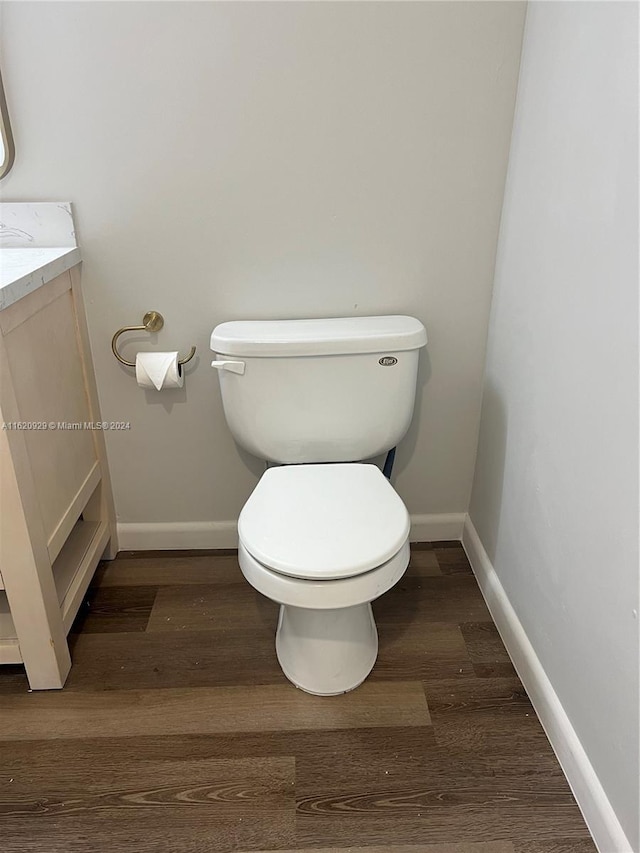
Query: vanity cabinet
{"x": 56, "y": 509}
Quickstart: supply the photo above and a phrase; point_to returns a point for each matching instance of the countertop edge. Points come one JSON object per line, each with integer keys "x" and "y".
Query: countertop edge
{"x": 26, "y": 284}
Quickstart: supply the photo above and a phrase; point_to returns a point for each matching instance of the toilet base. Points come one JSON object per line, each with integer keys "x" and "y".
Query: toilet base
{"x": 326, "y": 652}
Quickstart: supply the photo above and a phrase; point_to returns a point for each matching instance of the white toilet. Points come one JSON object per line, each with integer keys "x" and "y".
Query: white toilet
{"x": 322, "y": 540}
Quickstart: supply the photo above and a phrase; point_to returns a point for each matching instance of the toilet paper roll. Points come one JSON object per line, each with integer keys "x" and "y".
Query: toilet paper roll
{"x": 159, "y": 370}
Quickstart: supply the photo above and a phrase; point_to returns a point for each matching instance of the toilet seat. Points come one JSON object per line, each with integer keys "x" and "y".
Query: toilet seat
{"x": 323, "y": 522}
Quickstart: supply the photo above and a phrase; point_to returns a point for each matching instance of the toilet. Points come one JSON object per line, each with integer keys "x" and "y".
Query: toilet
{"x": 324, "y": 533}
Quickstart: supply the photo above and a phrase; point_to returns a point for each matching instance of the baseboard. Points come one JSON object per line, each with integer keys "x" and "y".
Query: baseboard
{"x": 189, "y": 535}
{"x": 185, "y": 535}
{"x": 589, "y": 793}
{"x": 437, "y": 527}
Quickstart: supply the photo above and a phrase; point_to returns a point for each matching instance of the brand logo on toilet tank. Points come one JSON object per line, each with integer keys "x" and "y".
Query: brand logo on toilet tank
{"x": 388, "y": 361}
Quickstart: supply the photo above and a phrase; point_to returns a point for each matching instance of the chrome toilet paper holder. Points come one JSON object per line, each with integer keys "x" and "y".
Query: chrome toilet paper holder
{"x": 152, "y": 321}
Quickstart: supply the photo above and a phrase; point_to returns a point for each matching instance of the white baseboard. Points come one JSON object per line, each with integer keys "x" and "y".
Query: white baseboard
{"x": 437, "y": 527}
{"x": 589, "y": 793}
{"x": 189, "y": 535}
{"x": 181, "y": 535}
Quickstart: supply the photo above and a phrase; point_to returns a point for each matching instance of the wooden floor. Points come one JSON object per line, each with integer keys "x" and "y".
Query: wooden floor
{"x": 177, "y": 731}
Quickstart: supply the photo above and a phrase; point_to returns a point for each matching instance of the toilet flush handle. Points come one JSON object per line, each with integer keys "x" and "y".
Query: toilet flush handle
{"x": 233, "y": 366}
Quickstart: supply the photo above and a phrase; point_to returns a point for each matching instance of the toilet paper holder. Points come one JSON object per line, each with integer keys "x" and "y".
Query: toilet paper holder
{"x": 152, "y": 321}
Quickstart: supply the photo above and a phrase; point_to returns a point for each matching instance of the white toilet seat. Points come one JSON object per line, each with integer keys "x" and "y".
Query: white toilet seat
{"x": 323, "y": 522}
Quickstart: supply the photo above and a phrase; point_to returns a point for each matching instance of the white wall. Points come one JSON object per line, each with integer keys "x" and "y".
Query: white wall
{"x": 270, "y": 160}
{"x": 555, "y": 496}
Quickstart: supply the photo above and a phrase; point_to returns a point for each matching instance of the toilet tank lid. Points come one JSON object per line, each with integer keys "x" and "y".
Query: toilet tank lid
{"x": 331, "y": 336}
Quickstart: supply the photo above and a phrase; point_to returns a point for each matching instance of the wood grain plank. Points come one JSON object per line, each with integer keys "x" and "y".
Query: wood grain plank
{"x": 483, "y": 643}
{"x": 464, "y": 693}
{"x": 456, "y": 598}
{"x": 423, "y": 563}
{"x": 507, "y": 726}
{"x": 13, "y": 679}
{"x": 170, "y": 805}
{"x": 418, "y": 816}
{"x": 500, "y": 669}
{"x": 360, "y": 760}
{"x": 420, "y": 649}
{"x": 160, "y": 570}
{"x": 74, "y": 714}
{"x": 212, "y": 607}
{"x": 47, "y": 759}
{"x": 180, "y": 659}
{"x": 452, "y": 559}
{"x": 365, "y": 760}
{"x": 487, "y": 719}
{"x": 115, "y": 609}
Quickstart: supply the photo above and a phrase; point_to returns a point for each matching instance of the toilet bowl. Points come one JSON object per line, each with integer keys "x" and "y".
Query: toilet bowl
{"x": 324, "y": 541}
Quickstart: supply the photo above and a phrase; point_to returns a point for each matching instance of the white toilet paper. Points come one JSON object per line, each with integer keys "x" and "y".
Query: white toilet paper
{"x": 159, "y": 370}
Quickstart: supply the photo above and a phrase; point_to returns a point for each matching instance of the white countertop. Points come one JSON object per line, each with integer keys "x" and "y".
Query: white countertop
{"x": 25, "y": 269}
{"x": 37, "y": 243}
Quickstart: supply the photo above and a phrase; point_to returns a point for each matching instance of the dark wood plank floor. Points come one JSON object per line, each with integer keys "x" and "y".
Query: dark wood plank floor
{"x": 177, "y": 731}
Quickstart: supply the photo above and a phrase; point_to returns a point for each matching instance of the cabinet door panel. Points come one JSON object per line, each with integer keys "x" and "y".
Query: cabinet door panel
{"x": 46, "y": 367}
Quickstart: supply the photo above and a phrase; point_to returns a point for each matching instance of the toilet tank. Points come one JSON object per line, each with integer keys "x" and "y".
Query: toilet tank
{"x": 333, "y": 390}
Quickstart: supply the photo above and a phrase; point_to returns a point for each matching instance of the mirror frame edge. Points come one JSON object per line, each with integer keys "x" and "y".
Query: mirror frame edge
{"x": 7, "y": 135}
